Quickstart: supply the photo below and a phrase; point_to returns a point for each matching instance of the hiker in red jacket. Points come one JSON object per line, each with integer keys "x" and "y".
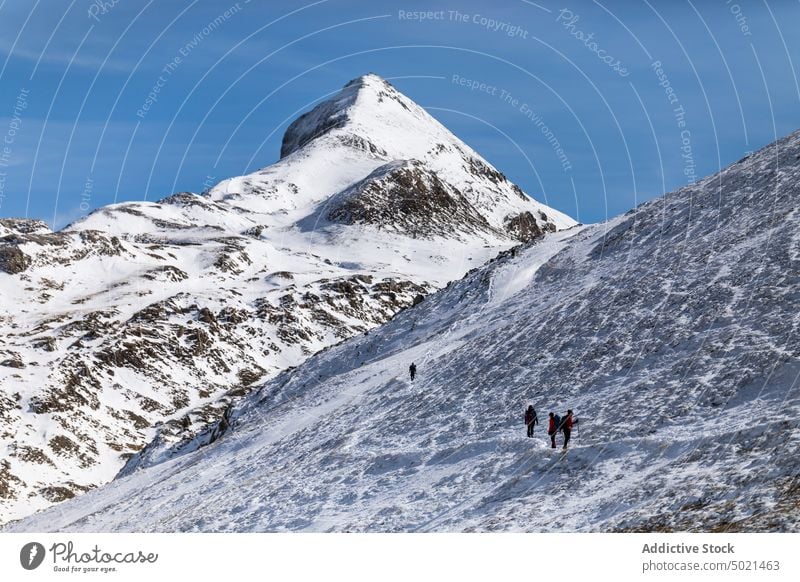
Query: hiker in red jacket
{"x": 531, "y": 419}
{"x": 552, "y": 428}
{"x": 566, "y": 427}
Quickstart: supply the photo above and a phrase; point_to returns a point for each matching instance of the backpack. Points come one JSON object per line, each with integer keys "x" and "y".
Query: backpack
{"x": 558, "y": 422}
{"x": 528, "y": 416}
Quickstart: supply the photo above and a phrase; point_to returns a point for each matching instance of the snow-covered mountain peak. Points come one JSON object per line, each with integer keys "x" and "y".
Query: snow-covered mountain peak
{"x": 366, "y": 126}
{"x": 372, "y": 109}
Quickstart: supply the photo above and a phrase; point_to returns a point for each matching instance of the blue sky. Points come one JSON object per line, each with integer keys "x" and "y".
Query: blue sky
{"x": 579, "y": 76}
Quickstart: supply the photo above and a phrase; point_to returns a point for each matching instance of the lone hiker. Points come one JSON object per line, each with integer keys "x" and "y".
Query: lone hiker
{"x": 552, "y": 428}
{"x": 566, "y": 426}
{"x": 531, "y": 419}
{"x": 412, "y": 370}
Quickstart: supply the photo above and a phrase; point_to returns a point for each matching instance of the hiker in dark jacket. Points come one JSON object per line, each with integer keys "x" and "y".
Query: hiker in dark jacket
{"x": 566, "y": 426}
{"x": 412, "y": 370}
{"x": 552, "y": 429}
{"x": 531, "y": 419}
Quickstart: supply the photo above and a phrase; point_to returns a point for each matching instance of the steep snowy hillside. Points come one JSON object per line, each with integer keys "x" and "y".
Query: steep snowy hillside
{"x": 145, "y": 321}
{"x": 671, "y": 331}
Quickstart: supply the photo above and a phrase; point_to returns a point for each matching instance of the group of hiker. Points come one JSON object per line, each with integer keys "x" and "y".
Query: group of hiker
{"x": 557, "y": 424}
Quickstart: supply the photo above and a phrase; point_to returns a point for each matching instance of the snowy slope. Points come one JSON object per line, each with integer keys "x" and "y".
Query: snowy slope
{"x": 671, "y": 331}
{"x": 145, "y": 321}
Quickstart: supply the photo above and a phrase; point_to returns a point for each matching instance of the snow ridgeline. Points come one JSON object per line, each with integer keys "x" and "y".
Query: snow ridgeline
{"x": 671, "y": 331}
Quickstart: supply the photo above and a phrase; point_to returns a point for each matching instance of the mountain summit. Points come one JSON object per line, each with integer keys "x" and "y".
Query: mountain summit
{"x": 128, "y": 334}
{"x": 406, "y": 164}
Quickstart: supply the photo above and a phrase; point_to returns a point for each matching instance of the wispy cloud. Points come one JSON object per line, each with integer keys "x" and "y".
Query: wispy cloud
{"x": 63, "y": 57}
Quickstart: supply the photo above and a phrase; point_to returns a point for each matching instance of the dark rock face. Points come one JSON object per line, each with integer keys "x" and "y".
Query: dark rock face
{"x": 361, "y": 143}
{"x": 408, "y": 198}
{"x": 479, "y": 168}
{"x": 13, "y": 260}
{"x": 24, "y": 226}
{"x": 9, "y": 483}
{"x": 166, "y": 273}
{"x": 184, "y": 199}
{"x": 13, "y": 363}
{"x": 309, "y": 126}
{"x": 524, "y": 227}
{"x": 62, "y": 248}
